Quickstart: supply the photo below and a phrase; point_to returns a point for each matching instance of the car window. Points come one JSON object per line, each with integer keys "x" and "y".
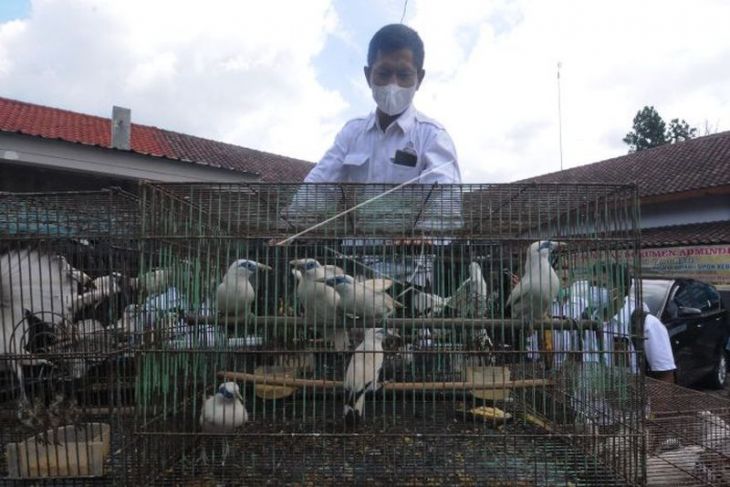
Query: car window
{"x": 698, "y": 295}
{"x": 653, "y": 294}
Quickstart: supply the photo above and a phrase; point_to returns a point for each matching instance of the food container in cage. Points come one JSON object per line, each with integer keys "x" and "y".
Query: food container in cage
{"x": 68, "y": 451}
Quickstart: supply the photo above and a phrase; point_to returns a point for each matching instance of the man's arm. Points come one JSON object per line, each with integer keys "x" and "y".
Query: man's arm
{"x": 440, "y": 153}
{"x": 329, "y": 169}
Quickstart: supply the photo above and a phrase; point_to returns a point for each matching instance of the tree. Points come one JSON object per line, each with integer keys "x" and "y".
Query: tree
{"x": 651, "y": 131}
{"x": 679, "y": 131}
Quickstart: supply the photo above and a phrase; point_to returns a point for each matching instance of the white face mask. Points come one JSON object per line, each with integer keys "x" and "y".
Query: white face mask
{"x": 393, "y": 99}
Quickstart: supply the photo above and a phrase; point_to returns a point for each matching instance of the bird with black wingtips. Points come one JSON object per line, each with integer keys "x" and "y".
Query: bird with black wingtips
{"x": 320, "y": 301}
{"x": 363, "y": 373}
{"x": 235, "y": 293}
{"x": 359, "y": 299}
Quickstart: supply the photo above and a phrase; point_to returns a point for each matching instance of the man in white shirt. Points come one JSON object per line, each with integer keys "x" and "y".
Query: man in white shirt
{"x": 396, "y": 143}
{"x": 658, "y": 350}
{"x": 392, "y": 145}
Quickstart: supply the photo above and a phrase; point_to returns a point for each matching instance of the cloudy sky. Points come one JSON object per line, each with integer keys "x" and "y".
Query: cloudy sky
{"x": 283, "y": 76}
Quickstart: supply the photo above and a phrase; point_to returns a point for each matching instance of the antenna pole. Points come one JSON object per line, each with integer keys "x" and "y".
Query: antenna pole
{"x": 560, "y": 120}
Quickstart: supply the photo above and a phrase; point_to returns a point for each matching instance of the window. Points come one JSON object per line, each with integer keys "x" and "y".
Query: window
{"x": 698, "y": 295}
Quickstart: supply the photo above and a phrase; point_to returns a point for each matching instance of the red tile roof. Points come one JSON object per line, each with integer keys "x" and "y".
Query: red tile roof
{"x": 695, "y": 164}
{"x": 53, "y": 123}
{"x": 694, "y": 234}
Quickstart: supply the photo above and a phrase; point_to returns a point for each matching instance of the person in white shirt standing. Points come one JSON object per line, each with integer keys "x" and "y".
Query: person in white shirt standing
{"x": 396, "y": 143}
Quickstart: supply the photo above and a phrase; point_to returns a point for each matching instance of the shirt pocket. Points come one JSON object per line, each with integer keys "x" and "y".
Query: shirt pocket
{"x": 399, "y": 173}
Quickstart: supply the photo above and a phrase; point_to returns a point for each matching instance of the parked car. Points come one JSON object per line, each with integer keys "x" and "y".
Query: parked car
{"x": 698, "y": 325}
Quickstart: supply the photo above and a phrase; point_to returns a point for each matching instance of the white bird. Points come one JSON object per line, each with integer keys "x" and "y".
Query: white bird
{"x": 236, "y": 293}
{"x": 151, "y": 282}
{"x": 481, "y": 342}
{"x": 363, "y": 372}
{"x": 41, "y": 284}
{"x": 224, "y": 411}
{"x": 315, "y": 269}
{"x": 106, "y": 285}
{"x": 359, "y": 299}
{"x": 539, "y": 286}
{"x": 471, "y": 299}
{"x": 320, "y": 301}
{"x": 425, "y": 304}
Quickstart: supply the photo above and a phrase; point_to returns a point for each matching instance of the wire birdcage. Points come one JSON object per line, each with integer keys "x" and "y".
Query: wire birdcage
{"x": 66, "y": 377}
{"x": 688, "y": 436}
{"x": 381, "y": 334}
{"x": 244, "y": 333}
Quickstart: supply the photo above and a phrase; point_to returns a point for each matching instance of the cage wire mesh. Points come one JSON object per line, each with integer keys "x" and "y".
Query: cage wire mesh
{"x": 66, "y": 382}
{"x": 228, "y": 334}
{"x": 370, "y": 333}
{"x": 688, "y": 436}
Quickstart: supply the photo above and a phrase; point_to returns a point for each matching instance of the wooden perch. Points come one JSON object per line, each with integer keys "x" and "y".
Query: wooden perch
{"x": 405, "y": 323}
{"x": 388, "y": 386}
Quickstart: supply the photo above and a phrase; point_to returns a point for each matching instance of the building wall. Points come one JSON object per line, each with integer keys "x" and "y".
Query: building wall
{"x": 35, "y": 152}
{"x": 710, "y": 208}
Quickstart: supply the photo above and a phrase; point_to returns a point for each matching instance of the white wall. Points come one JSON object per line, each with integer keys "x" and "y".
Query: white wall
{"x": 39, "y": 152}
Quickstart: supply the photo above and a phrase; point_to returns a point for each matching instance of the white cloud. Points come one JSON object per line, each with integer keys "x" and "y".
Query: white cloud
{"x": 498, "y": 95}
{"x": 243, "y": 72}
{"x": 229, "y": 70}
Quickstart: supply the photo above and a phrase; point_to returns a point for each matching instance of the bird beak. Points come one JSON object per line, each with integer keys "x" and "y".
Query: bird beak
{"x": 264, "y": 267}
{"x": 239, "y": 396}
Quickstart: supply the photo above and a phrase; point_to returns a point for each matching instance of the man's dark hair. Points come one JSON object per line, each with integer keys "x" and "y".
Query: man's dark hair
{"x": 395, "y": 37}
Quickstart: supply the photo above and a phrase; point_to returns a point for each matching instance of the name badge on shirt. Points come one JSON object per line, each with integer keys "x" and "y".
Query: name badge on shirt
{"x": 406, "y": 157}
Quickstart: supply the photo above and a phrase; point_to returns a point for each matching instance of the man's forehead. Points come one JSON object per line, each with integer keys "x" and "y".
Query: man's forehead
{"x": 399, "y": 57}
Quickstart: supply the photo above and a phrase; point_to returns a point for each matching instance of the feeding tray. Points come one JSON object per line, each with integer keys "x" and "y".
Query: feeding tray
{"x": 489, "y": 375}
{"x": 268, "y": 391}
{"x": 483, "y": 413}
{"x": 69, "y": 452}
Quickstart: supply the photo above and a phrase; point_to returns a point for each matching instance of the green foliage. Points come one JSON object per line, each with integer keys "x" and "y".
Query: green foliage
{"x": 650, "y": 130}
{"x": 679, "y": 130}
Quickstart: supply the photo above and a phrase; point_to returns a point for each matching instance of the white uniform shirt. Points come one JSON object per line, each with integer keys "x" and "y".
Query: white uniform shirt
{"x": 363, "y": 153}
{"x": 657, "y": 347}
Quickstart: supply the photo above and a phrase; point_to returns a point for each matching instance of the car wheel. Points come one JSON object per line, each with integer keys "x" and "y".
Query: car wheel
{"x": 718, "y": 378}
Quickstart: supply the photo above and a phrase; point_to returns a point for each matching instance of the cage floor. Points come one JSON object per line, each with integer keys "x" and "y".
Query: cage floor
{"x": 409, "y": 448}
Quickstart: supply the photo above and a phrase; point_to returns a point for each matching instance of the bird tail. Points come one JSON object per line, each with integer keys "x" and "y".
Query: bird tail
{"x": 354, "y": 407}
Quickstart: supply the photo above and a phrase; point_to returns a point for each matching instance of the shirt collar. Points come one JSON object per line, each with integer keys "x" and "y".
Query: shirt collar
{"x": 405, "y": 121}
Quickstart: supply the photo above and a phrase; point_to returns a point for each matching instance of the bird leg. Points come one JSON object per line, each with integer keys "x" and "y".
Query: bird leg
{"x": 203, "y": 456}
{"x": 226, "y": 451}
